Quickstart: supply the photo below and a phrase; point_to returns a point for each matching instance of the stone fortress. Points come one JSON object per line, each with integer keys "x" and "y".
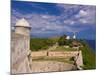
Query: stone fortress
{"x": 20, "y": 40}
{"x": 21, "y": 55}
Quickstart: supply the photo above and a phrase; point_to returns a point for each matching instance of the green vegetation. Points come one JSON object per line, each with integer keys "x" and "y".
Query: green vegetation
{"x": 37, "y": 44}
{"x": 40, "y": 43}
{"x": 72, "y": 58}
{"x": 62, "y": 48}
{"x": 54, "y": 39}
{"x": 62, "y": 41}
{"x": 89, "y": 57}
{"x": 53, "y": 59}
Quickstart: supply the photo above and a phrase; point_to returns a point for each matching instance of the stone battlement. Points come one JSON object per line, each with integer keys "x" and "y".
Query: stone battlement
{"x": 54, "y": 53}
{"x": 60, "y": 54}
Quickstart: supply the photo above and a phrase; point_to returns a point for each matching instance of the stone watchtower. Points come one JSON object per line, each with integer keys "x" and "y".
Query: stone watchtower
{"x": 22, "y": 27}
{"x": 20, "y": 47}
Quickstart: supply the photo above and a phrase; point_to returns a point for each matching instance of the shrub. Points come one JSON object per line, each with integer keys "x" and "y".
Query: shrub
{"x": 72, "y": 58}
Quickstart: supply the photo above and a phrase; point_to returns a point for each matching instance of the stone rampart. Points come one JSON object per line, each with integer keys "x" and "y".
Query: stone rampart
{"x": 19, "y": 54}
{"x": 54, "y": 53}
{"x": 63, "y": 54}
{"x": 38, "y": 53}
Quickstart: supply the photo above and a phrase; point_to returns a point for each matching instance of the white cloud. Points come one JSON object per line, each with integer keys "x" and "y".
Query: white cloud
{"x": 45, "y": 23}
{"x": 83, "y": 14}
{"x": 69, "y": 22}
{"x": 84, "y": 21}
{"x": 40, "y": 23}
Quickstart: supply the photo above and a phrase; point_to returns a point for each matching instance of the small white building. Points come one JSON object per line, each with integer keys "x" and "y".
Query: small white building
{"x": 68, "y": 37}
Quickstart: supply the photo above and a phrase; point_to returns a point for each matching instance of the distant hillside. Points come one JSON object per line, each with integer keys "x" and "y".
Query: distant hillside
{"x": 41, "y": 43}
{"x": 89, "y": 56}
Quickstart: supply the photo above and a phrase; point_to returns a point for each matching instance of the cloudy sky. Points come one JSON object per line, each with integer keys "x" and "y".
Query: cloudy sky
{"x": 51, "y": 19}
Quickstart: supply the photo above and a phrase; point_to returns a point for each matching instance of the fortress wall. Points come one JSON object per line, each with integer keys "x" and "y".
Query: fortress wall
{"x": 38, "y": 53}
{"x": 66, "y": 54}
{"x": 63, "y": 54}
{"x": 19, "y": 50}
{"x": 54, "y": 53}
{"x": 79, "y": 61}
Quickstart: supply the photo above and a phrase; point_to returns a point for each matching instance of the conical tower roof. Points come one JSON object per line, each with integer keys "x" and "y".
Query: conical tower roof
{"x": 22, "y": 23}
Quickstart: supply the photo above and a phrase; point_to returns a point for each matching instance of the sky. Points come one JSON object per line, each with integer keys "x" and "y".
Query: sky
{"x": 53, "y": 19}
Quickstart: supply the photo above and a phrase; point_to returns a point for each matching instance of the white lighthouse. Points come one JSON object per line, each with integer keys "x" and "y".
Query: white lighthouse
{"x": 74, "y": 36}
{"x": 22, "y": 27}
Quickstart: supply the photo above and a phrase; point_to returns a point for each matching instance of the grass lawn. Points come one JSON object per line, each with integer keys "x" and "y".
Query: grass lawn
{"x": 65, "y": 60}
{"x": 62, "y": 48}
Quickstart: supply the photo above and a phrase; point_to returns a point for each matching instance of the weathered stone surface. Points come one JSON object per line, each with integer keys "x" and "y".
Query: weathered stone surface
{"x": 19, "y": 52}
{"x": 60, "y": 54}
{"x": 50, "y": 66}
{"x": 79, "y": 60}
{"x": 22, "y": 27}
{"x": 20, "y": 46}
{"x": 38, "y": 53}
{"x": 64, "y": 54}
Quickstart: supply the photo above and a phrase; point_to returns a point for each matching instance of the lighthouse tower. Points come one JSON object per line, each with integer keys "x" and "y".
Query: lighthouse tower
{"x": 74, "y": 36}
{"x": 22, "y": 27}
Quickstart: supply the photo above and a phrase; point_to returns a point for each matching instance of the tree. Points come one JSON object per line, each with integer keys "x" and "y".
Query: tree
{"x": 62, "y": 40}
